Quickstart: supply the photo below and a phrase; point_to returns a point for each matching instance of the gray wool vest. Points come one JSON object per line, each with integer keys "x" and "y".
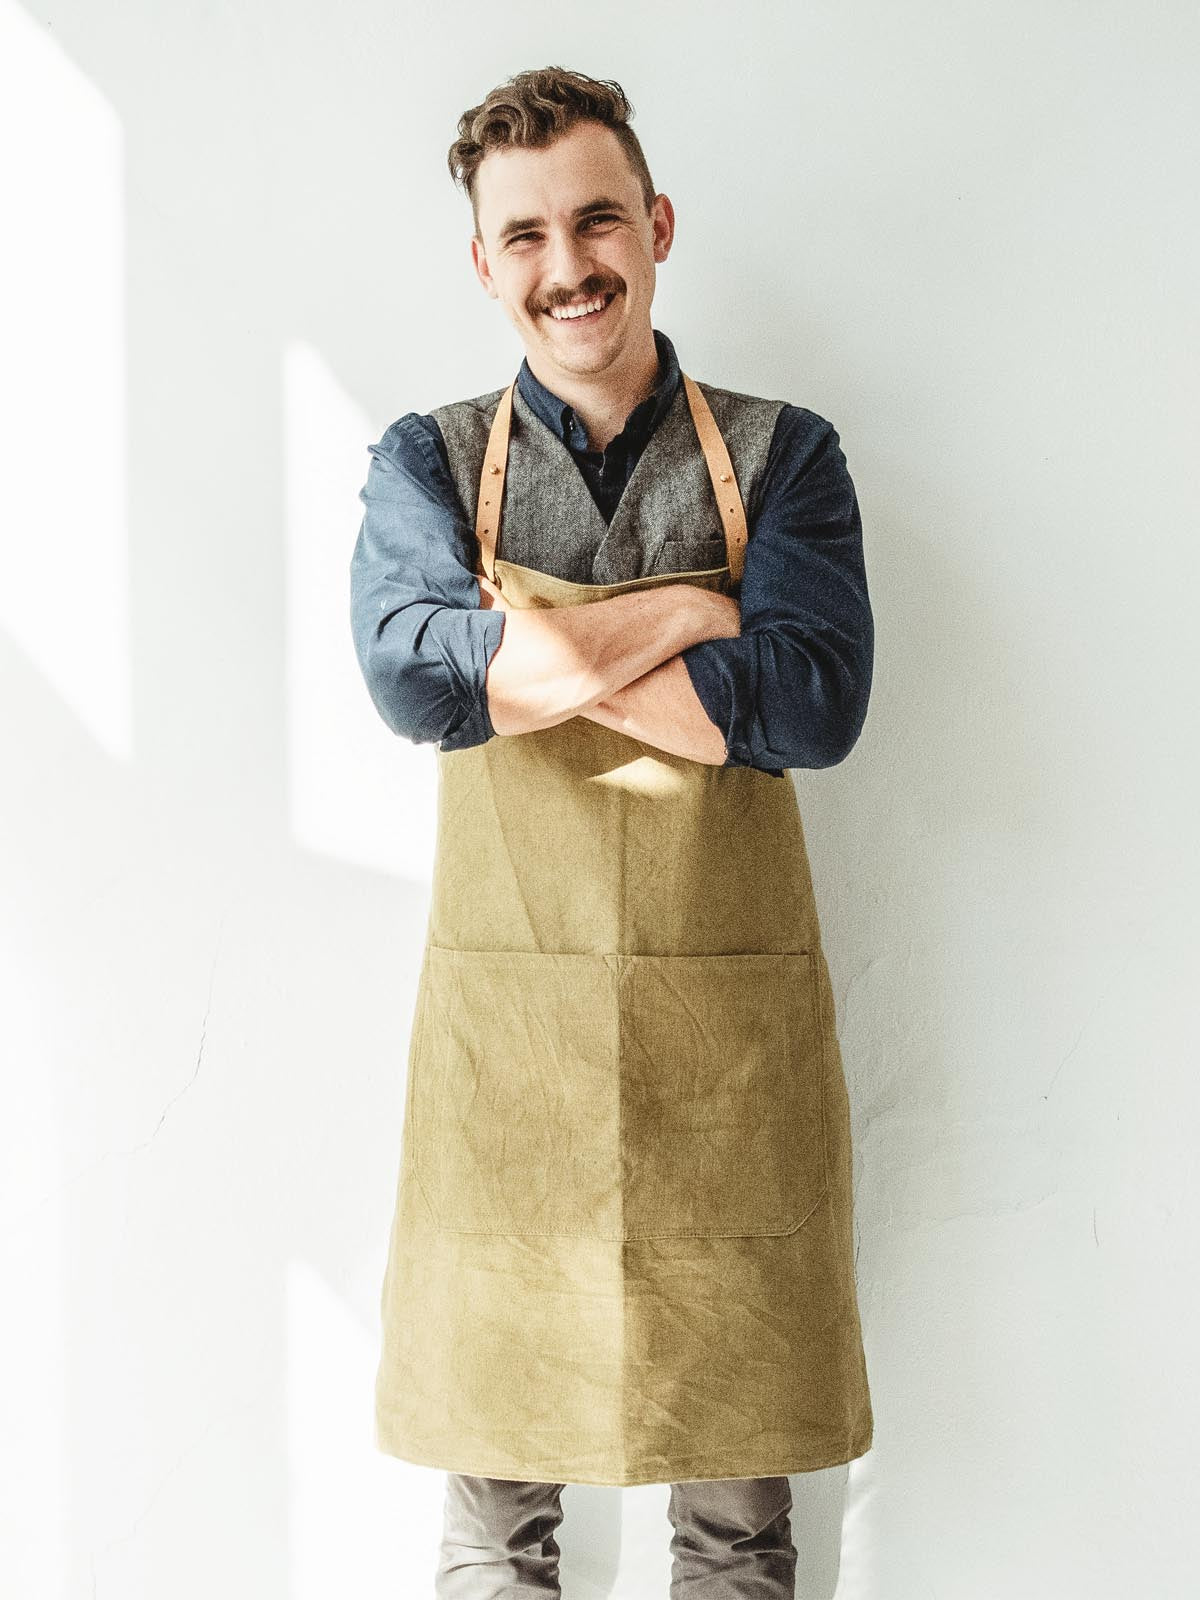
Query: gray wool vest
{"x": 666, "y": 519}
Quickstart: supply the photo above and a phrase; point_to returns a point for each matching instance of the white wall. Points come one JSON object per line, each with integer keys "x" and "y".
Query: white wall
{"x": 966, "y": 234}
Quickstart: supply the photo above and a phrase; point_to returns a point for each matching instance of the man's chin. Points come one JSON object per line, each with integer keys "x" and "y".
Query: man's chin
{"x": 582, "y": 362}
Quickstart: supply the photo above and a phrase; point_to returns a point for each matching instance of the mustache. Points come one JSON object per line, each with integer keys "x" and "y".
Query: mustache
{"x": 588, "y": 290}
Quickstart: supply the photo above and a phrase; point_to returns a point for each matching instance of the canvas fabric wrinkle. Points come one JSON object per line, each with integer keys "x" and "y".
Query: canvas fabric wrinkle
{"x": 621, "y": 1250}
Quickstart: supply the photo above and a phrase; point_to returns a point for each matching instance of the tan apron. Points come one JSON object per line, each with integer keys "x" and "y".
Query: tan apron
{"x": 622, "y": 1246}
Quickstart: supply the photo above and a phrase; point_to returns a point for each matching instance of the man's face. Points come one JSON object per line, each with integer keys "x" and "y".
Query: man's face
{"x": 561, "y": 226}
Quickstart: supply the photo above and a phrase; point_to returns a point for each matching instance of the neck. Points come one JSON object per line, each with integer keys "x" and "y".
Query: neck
{"x": 603, "y": 400}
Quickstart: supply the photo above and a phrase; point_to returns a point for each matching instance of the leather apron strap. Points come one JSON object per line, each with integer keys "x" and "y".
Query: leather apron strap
{"x": 720, "y": 471}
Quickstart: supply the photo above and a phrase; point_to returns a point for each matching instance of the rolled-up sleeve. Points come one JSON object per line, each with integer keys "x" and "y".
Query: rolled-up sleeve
{"x": 422, "y": 640}
{"x": 792, "y": 689}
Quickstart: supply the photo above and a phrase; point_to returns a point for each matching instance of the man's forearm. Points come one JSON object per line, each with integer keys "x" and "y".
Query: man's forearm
{"x": 661, "y": 708}
{"x": 555, "y": 662}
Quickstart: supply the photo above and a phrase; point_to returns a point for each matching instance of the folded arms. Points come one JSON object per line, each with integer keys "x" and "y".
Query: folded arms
{"x": 778, "y": 677}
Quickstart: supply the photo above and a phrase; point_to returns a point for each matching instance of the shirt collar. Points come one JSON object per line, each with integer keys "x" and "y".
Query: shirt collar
{"x": 560, "y": 417}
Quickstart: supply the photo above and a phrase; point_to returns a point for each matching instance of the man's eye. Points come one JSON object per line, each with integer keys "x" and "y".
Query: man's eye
{"x": 604, "y": 216}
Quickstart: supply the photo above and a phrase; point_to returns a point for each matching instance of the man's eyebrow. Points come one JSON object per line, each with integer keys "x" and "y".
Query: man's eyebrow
{"x": 520, "y": 224}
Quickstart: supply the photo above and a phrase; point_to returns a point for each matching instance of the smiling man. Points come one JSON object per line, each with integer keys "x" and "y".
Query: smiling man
{"x": 621, "y": 602}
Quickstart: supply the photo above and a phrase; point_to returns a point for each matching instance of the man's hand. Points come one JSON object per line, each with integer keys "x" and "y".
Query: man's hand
{"x": 490, "y": 598}
{"x": 728, "y": 610}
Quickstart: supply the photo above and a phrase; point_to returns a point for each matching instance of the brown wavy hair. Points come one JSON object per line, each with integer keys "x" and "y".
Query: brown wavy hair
{"x": 531, "y": 110}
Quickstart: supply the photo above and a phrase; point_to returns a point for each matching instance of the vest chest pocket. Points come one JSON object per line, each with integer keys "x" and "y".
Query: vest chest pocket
{"x": 619, "y": 1097}
{"x": 691, "y": 555}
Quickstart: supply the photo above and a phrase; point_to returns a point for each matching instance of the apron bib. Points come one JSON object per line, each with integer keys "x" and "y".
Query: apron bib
{"x": 621, "y": 1250}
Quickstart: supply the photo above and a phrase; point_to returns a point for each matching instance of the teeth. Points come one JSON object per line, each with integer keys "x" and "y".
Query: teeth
{"x": 568, "y": 313}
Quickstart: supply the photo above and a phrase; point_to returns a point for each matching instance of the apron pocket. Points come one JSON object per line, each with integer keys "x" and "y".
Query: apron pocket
{"x": 723, "y": 1073}
{"x": 513, "y": 1120}
{"x": 618, "y": 1097}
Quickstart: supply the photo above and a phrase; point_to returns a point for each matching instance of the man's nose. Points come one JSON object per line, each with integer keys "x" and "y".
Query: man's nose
{"x": 570, "y": 261}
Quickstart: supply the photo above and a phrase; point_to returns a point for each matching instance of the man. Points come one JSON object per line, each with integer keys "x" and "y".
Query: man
{"x": 622, "y": 602}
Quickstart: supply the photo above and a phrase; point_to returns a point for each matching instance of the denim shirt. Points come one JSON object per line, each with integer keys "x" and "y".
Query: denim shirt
{"x": 791, "y": 690}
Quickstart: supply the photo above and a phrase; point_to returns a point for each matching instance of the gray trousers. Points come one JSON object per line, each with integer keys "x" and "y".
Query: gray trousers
{"x": 732, "y": 1539}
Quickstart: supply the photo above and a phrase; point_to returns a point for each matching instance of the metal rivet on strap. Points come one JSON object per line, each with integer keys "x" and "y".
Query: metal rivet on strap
{"x": 724, "y": 477}
{"x": 493, "y": 467}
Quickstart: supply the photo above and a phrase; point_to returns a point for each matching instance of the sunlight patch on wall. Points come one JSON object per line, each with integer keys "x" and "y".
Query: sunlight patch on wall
{"x": 64, "y": 548}
{"x": 355, "y": 790}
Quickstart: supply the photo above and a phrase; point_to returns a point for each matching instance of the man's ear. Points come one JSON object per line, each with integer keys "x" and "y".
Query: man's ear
{"x": 664, "y": 227}
{"x": 482, "y": 271}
